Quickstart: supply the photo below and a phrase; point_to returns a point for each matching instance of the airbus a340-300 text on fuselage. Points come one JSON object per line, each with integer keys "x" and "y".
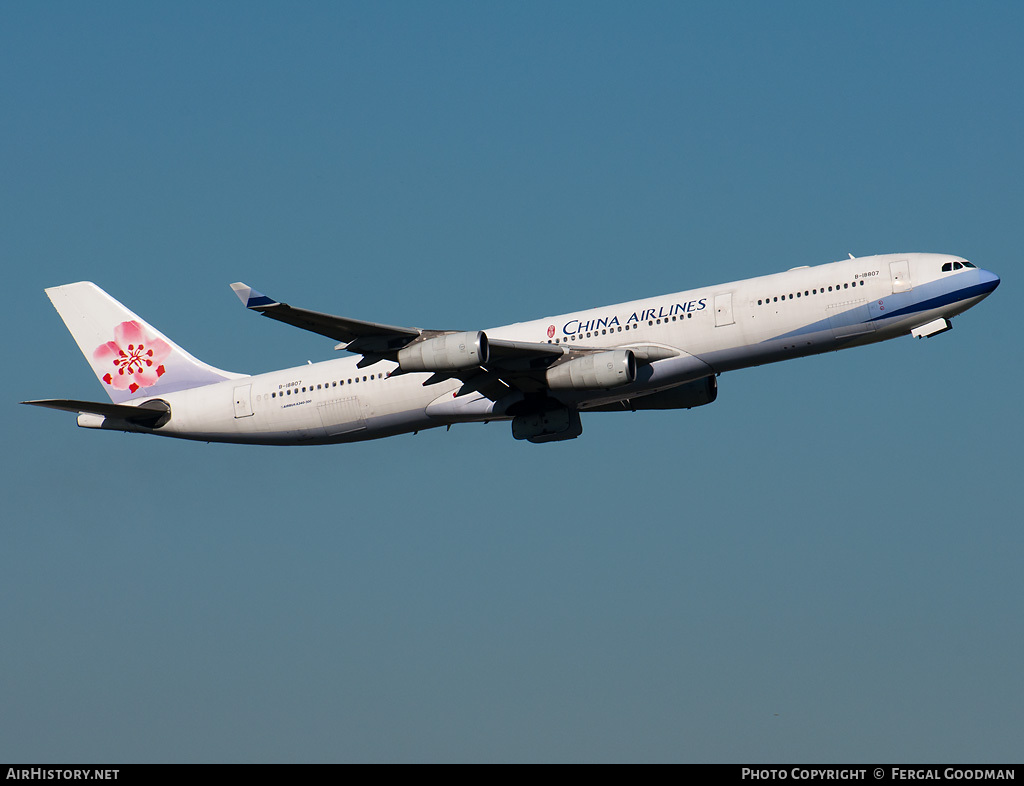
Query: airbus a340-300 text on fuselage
{"x": 662, "y": 352}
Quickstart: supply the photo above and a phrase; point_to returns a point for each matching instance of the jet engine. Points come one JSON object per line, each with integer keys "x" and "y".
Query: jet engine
{"x": 598, "y": 371}
{"x": 686, "y": 396}
{"x": 448, "y": 352}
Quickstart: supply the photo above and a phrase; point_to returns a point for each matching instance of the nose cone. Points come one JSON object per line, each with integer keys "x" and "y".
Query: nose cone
{"x": 989, "y": 281}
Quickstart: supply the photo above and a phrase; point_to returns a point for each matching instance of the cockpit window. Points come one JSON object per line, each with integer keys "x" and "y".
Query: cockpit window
{"x": 947, "y": 267}
{"x": 968, "y": 264}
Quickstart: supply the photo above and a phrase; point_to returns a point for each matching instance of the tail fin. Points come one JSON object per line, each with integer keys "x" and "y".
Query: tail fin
{"x": 131, "y": 359}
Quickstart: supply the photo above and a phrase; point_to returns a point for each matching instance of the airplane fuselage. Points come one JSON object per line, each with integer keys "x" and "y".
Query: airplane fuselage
{"x": 685, "y": 337}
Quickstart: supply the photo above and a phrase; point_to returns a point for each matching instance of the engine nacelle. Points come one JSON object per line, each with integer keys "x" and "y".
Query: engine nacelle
{"x": 692, "y": 394}
{"x": 450, "y": 352}
{"x": 599, "y": 371}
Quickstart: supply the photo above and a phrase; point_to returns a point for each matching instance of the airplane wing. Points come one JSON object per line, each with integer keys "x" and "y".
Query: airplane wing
{"x": 384, "y": 340}
{"x": 511, "y": 355}
{"x": 354, "y": 334}
{"x": 519, "y": 364}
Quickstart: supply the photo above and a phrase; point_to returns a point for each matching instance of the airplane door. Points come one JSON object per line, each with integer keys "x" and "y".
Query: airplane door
{"x": 723, "y": 310}
{"x": 243, "y": 401}
{"x": 900, "y": 270}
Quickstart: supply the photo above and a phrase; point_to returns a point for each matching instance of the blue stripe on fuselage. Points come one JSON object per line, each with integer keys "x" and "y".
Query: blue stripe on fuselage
{"x": 931, "y": 295}
{"x": 941, "y": 299}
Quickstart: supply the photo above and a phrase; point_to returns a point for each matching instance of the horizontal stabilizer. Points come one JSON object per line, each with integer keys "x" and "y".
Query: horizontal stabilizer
{"x": 147, "y": 414}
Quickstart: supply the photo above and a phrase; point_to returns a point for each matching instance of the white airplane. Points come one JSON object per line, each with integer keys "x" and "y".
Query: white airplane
{"x": 658, "y": 353}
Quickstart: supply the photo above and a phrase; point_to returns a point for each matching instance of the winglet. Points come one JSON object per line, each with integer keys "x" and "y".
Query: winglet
{"x": 250, "y": 297}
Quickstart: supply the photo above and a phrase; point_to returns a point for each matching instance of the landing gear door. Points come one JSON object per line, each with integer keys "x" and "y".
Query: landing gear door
{"x": 900, "y": 270}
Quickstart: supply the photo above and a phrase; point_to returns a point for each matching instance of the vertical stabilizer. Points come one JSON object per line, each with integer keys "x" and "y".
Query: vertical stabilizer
{"x": 130, "y": 358}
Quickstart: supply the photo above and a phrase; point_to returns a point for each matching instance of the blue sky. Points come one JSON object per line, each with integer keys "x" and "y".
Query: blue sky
{"x": 824, "y": 565}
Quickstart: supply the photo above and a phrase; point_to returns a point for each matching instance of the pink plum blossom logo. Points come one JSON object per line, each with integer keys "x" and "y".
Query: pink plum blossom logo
{"x": 133, "y": 359}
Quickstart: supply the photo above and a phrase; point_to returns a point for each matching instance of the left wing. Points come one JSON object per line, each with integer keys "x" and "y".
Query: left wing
{"x": 480, "y": 362}
{"x": 354, "y": 334}
{"x": 386, "y": 341}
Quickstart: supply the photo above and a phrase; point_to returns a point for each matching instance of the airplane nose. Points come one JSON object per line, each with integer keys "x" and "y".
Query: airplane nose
{"x": 989, "y": 280}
